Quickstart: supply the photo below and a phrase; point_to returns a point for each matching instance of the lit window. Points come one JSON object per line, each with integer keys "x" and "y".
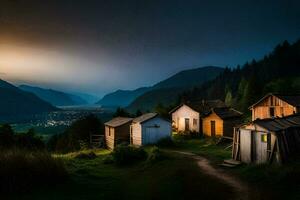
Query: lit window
{"x": 264, "y": 138}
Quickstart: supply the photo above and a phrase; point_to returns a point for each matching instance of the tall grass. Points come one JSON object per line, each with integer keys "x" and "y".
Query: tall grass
{"x": 21, "y": 170}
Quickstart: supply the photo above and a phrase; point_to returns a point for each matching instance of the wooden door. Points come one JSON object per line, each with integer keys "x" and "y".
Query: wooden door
{"x": 213, "y": 128}
{"x": 187, "y": 124}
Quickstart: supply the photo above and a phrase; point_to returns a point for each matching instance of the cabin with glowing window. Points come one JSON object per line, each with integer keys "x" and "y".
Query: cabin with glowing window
{"x": 267, "y": 140}
{"x": 187, "y": 117}
{"x": 275, "y": 105}
{"x": 149, "y": 129}
{"x": 220, "y": 122}
{"x": 117, "y": 131}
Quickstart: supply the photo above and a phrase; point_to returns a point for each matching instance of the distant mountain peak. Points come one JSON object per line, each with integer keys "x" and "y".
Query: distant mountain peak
{"x": 54, "y": 97}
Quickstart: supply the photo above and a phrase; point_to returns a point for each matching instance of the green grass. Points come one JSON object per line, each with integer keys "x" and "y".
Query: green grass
{"x": 174, "y": 177}
{"x": 204, "y": 147}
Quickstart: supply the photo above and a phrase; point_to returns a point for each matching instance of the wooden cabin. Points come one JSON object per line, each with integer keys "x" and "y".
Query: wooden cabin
{"x": 267, "y": 140}
{"x": 220, "y": 122}
{"x": 186, "y": 117}
{"x": 117, "y": 131}
{"x": 149, "y": 129}
{"x": 275, "y": 105}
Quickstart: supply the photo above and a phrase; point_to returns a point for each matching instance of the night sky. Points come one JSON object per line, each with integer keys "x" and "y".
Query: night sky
{"x": 99, "y": 46}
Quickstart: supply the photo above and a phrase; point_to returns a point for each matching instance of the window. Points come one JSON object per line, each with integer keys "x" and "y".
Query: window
{"x": 272, "y": 112}
{"x": 264, "y": 138}
{"x": 109, "y": 131}
{"x": 195, "y": 122}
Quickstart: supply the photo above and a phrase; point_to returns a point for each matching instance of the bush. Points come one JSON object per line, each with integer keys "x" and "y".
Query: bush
{"x": 155, "y": 155}
{"x": 21, "y": 170}
{"x": 166, "y": 142}
{"x": 89, "y": 155}
{"x": 108, "y": 159}
{"x": 77, "y": 136}
{"x": 124, "y": 155}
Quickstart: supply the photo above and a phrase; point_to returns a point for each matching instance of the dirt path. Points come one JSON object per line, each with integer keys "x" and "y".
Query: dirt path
{"x": 241, "y": 189}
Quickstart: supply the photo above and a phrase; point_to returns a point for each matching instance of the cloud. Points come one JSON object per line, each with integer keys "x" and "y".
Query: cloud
{"x": 2, "y": 74}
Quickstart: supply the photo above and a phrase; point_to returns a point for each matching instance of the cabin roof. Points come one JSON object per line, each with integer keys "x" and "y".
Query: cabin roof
{"x": 118, "y": 121}
{"x": 278, "y": 124}
{"x": 227, "y": 112}
{"x": 144, "y": 117}
{"x": 203, "y": 107}
{"x": 293, "y": 100}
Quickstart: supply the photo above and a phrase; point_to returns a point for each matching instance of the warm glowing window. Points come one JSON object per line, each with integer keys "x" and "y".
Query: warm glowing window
{"x": 264, "y": 138}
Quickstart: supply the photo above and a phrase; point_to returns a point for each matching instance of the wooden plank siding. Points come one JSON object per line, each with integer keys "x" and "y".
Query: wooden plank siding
{"x": 206, "y": 125}
{"x": 117, "y": 135}
{"x": 136, "y": 134}
{"x": 281, "y": 108}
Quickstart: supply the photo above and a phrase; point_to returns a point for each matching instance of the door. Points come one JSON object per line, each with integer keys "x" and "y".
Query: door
{"x": 187, "y": 124}
{"x": 245, "y": 145}
{"x": 213, "y": 128}
{"x": 262, "y": 147}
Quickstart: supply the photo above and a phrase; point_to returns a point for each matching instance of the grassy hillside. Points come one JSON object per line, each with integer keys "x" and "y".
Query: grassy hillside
{"x": 172, "y": 178}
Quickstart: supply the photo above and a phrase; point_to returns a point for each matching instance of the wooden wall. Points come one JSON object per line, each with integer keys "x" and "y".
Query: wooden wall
{"x": 118, "y": 135}
{"x": 281, "y": 108}
{"x": 206, "y": 124}
{"x": 136, "y": 134}
{"x": 109, "y": 138}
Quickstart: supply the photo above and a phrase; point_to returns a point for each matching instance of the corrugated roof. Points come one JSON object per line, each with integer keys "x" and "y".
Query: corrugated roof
{"x": 203, "y": 107}
{"x": 118, "y": 121}
{"x": 293, "y": 100}
{"x": 278, "y": 124}
{"x": 144, "y": 117}
{"x": 226, "y": 112}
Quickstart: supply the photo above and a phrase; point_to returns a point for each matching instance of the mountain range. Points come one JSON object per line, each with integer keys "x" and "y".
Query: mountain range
{"x": 16, "y": 103}
{"x": 56, "y": 98}
{"x": 146, "y": 98}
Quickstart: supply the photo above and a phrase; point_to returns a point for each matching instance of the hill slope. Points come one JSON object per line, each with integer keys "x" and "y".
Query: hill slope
{"x": 54, "y": 97}
{"x": 166, "y": 92}
{"x": 278, "y": 72}
{"x": 122, "y": 98}
{"x": 15, "y": 102}
{"x": 190, "y": 78}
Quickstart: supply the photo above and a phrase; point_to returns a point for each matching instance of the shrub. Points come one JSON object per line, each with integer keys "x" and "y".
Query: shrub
{"x": 89, "y": 155}
{"x": 77, "y": 136}
{"x": 155, "y": 155}
{"x": 123, "y": 154}
{"x": 166, "y": 142}
{"x": 108, "y": 159}
{"x": 21, "y": 170}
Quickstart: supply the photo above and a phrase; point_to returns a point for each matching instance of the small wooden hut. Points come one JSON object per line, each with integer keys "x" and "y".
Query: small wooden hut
{"x": 220, "y": 122}
{"x": 275, "y": 105}
{"x": 267, "y": 140}
{"x": 117, "y": 131}
{"x": 149, "y": 129}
